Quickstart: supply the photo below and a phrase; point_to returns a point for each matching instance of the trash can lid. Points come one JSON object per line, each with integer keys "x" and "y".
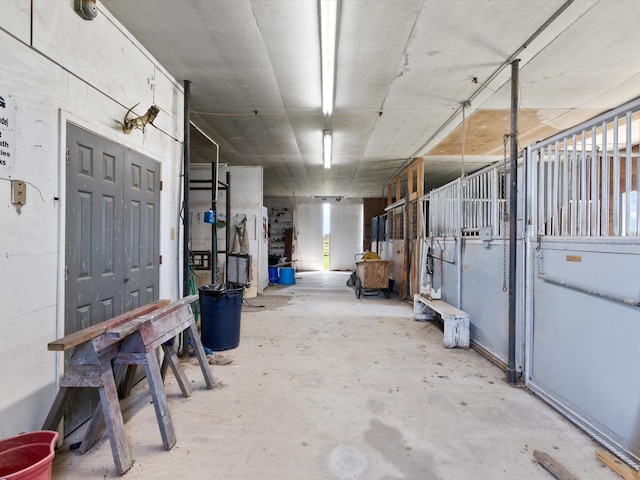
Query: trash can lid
{"x": 220, "y": 289}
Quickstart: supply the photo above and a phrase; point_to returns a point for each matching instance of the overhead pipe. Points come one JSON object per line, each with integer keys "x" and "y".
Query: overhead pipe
{"x": 461, "y": 108}
{"x": 492, "y": 77}
{"x": 214, "y": 201}
{"x": 217, "y": 161}
{"x": 513, "y": 221}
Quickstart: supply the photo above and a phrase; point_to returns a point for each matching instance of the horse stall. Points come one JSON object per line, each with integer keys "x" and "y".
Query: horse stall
{"x": 582, "y": 282}
{"x": 577, "y": 282}
{"x": 464, "y": 256}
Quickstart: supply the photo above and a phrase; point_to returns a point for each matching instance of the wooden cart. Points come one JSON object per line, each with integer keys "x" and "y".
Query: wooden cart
{"x": 372, "y": 276}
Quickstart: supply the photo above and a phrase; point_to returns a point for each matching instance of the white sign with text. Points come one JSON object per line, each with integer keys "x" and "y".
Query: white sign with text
{"x": 7, "y": 136}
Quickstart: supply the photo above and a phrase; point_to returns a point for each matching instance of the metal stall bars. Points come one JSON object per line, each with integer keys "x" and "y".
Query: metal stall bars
{"x": 587, "y": 178}
{"x": 444, "y": 226}
{"x": 582, "y": 287}
{"x": 475, "y": 207}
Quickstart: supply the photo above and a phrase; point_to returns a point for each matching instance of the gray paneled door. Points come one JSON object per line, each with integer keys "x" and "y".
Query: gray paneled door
{"x": 141, "y": 230}
{"x": 112, "y": 237}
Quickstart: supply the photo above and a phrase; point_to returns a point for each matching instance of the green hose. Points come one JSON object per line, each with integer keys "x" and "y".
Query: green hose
{"x": 193, "y": 291}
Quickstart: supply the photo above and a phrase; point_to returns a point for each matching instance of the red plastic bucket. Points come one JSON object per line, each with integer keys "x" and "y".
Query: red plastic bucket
{"x": 28, "y": 456}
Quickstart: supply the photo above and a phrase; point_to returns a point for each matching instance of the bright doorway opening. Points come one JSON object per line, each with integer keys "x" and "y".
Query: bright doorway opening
{"x": 326, "y": 227}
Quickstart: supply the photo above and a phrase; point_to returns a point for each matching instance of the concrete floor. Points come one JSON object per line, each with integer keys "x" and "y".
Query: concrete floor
{"x": 326, "y": 386}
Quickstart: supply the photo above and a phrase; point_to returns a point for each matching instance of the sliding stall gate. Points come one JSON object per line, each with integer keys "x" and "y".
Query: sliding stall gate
{"x": 583, "y": 276}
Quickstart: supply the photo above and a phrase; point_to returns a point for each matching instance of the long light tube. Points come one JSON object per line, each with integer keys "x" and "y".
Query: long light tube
{"x": 327, "y": 141}
{"x": 328, "y": 27}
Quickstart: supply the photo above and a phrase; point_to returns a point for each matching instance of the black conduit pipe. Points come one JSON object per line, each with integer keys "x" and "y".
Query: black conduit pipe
{"x": 214, "y": 228}
{"x": 186, "y": 167}
{"x": 227, "y": 246}
{"x": 513, "y": 222}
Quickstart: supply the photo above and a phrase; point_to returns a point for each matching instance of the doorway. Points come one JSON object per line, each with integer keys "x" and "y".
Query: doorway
{"x": 345, "y": 233}
{"x": 339, "y": 227}
{"x": 326, "y": 236}
{"x": 112, "y": 248}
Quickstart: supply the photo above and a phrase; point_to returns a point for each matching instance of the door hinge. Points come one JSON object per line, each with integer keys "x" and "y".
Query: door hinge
{"x": 160, "y": 262}
{"x": 161, "y": 185}
{"x": 66, "y": 273}
{"x": 68, "y": 155}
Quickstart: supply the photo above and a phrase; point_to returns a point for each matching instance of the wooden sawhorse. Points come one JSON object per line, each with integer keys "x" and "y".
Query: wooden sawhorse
{"x": 127, "y": 340}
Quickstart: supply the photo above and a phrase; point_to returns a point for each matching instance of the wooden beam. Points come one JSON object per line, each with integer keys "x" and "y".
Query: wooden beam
{"x": 420, "y": 162}
{"x": 414, "y": 174}
{"x": 615, "y": 464}
{"x": 86, "y": 334}
{"x": 411, "y": 186}
{"x": 420, "y": 195}
{"x": 553, "y": 466}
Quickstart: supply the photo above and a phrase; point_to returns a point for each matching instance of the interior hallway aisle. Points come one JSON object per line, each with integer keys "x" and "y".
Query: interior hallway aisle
{"x": 326, "y": 386}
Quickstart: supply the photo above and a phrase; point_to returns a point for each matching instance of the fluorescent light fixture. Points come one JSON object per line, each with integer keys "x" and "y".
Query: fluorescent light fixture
{"x": 324, "y": 198}
{"x": 328, "y": 27}
{"x": 327, "y": 141}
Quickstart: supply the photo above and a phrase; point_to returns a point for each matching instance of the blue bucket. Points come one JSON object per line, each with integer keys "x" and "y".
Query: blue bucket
{"x": 273, "y": 275}
{"x": 287, "y": 276}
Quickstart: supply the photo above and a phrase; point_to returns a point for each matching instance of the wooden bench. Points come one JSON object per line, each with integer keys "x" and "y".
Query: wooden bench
{"x": 456, "y": 322}
{"x": 104, "y": 353}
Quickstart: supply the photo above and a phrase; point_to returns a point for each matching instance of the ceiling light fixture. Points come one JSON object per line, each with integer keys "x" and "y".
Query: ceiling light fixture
{"x": 327, "y": 141}
{"x": 328, "y": 29}
{"x": 324, "y": 198}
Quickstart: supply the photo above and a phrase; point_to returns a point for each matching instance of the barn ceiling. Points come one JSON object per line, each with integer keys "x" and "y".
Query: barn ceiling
{"x": 409, "y": 73}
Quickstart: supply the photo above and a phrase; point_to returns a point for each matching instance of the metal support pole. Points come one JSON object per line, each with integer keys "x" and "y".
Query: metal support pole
{"x": 186, "y": 179}
{"x": 214, "y": 230}
{"x": 186, "y": 167}
{"x": 459, "y": 226}
{"x": 407, "y": 248}
{"x": 513, "y": 222}
{"x": 227, "y": 246}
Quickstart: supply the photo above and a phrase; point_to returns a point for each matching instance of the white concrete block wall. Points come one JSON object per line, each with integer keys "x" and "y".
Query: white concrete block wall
{"x": 58, "y": 67}
{"x": 15, "y": 18}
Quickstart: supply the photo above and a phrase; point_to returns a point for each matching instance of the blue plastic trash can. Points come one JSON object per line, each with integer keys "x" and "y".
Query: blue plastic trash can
{"x": 220, "y": 313}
